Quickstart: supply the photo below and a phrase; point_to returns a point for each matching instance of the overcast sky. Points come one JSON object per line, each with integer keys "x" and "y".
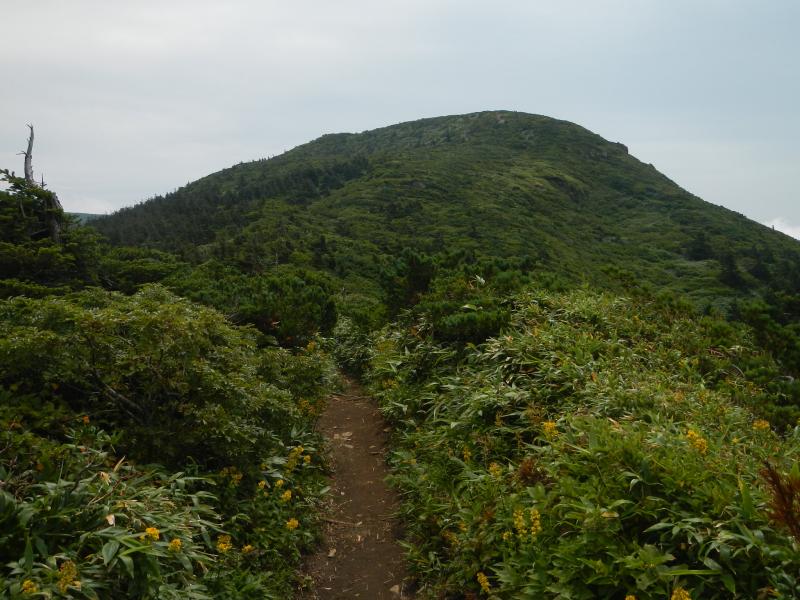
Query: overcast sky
{"x": 133, "y": 99}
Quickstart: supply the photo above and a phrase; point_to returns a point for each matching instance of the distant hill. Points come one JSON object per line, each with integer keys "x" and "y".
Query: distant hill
{"x": 84, "y": 218}
{"x": 499, "y": 184}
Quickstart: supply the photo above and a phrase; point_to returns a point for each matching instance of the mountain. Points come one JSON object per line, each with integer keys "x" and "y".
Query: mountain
{"x": 84, "y": 217}
{"x": 500, "y": 184}
{"x": 447, "y": 263}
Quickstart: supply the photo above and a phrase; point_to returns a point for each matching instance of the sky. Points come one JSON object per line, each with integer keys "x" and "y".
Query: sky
{"x": 135, "y": 99}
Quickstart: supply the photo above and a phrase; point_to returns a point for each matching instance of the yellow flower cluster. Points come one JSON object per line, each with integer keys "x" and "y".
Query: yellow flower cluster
{"x": 233, "y": 474}
{"x": 630, "y": 597}
{"x": 224, "y": 543}
{"x": 550, "y": 429}
{"x": 760, "y": 425}
{"x": 697, "y": 441}
{"x": 294, "y": 456}
{"x": 262, "y": 484}
{"x": 279, "y": 483}
{"x": 29, "y": 587}
{"x": 466, "y": 453}
{"x": 175, "y": 545}
{"x": 531, "y": 526}
{"x": 536, "y": 522}
{"x": 507, "y": 535}
{"x": 247, "y": 549}
{"x": 292, "y": 524}
{"x": 483, "y": 581}
{"x": 680, "y": 594}
{"x": 450, "y": 537}
{"x": 307, "y": 459}
{"x": 519, "y": 522}
{"x": 151, "y": 533}
{"x": 67, "y": 575}
{"x": 286, "y": 496}
{"x": 495, "y": 470}
{"x": 306, "y": 408}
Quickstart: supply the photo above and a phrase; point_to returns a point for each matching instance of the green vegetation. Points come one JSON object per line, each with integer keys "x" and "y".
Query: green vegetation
{"x": 150, "y": 448}
{"x": 593, "y": 376}
{"x": 372, "y": 218}
{"x": 495, "y": 184}
{"x": 599, "y": 447}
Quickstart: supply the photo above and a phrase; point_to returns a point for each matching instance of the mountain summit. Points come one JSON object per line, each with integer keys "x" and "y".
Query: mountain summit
{"x": 499, "y": 183}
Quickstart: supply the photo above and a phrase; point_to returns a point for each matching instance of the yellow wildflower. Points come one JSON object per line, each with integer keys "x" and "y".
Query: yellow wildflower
{"x": 498, "y": 420}
{"x": 279, "y": 483}
{"x": 307, "y": 459}
{"x": 760, "y": 425}
{"x": 550, "y": 429}
{"x": 698, "y": 442}
{"x": 483, "y": 580}
{"x": 286, "y": 496}
{"x": 85, "y": 419}
{"x": 151, "y": 533}
{"x": 294, "y": 456}
{"x": 507, "y": 535}
{"x": 67, "y": 573}
{"x": 495, "y": 470}
{"x": 630, "y": 597}
{"x": 262, "y": 484}
{"x": 175, "y": 545}
{"x": 233, "y": 474}
{"x": 224, "y": 543}
{"x": 466, "y": 453}
{"x": 536, "y": 522}
{"x": 292, "y": 524}
{"x": 247, "y": 549}
{"x": 519, "y": 522}
{"x": 680, "y": 594}
{"x": 451, "y": 538}
{"x": 29, "y": 587}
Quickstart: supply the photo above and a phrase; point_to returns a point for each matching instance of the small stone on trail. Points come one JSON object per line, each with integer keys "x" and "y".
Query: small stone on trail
{"x": 395, "y": 589}
{"x": 331, "y": 552}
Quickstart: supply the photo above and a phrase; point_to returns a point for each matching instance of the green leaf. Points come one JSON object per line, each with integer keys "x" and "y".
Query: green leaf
{"x": 187, "y": 564}
{"x": 729, "y": 582}
{"x": 28, "y": 557}
{"x": 127, "y": 562}
{"x": 109, "y": 550}
{"x": 658, "y": 526}
{"x": 41, "y": 546}
{"x": 747, "y": 500}
{"x": 681, "y": 572}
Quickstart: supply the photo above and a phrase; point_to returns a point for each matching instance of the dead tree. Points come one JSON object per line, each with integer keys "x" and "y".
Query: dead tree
{"x": 52, "y": 209}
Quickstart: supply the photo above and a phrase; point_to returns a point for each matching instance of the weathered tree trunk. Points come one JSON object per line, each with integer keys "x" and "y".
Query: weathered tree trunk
{"x": 29, "y": 159}
{"x": 53, "y": 211}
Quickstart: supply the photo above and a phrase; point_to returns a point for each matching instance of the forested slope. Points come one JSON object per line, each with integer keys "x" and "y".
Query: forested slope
{"x": 497, "y": 184}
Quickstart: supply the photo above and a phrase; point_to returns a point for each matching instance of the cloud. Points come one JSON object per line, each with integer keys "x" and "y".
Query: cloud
{"x": 780, "y": 224}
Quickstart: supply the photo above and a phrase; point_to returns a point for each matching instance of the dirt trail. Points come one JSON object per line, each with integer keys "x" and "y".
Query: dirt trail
{"x": 359, "y": 557}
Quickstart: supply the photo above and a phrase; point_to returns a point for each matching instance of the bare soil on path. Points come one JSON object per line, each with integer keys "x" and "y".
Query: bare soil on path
{"x": 359, "y": 557}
